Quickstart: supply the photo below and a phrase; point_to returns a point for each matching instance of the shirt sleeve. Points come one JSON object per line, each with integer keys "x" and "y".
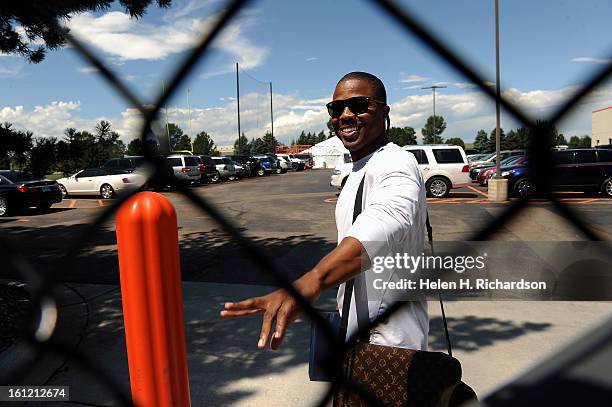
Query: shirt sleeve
{"x": 393, "y": 205}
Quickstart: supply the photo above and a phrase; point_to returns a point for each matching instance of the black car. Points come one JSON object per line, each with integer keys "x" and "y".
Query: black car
{"x": 127, "y": 164}
{"x": 25, "y": 194}
{"x": 584, "y": 169}
{"x": 250, "y": 163}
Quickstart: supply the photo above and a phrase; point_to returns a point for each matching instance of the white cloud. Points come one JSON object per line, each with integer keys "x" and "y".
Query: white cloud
{"x": 465, "y": 114}
{"x": 88, "y": 69}
{"x": 591, "y": 60}
{"x": 414, "y": 78}
{"x": 126, "y": 39}
{"x": 311, "y": 59}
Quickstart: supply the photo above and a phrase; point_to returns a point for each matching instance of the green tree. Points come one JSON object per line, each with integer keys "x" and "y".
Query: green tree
{"x": 456, "y": 141}
{"x": 560, "y": 140}
{"x": 270, "y": 142}
{"x": 15, "y": 146}
{"x": 330, "y": 129}
{"x": 513, "y": 141}
{"x": 492, "y": 140}
{"x": 579, "y": 142}
{"x": 43, "y": 157}
{"x": 175, "y": 134}
{"x": 134, "y": 147}
{"x": 44, "y": 21}
{"x": 258, "y": 146}
{"x": 242, "y": 145}
{"x": 481, "y": 142}
{"x": 321, "y": 137}
{"x": 204, "y": 144}
{"x": 428, "y": 131}
{"x": 106, "y": 144}
{"x": 402, "y": 136}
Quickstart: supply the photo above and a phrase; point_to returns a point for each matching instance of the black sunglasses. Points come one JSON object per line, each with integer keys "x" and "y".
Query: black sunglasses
{"x": 357, "y": 105}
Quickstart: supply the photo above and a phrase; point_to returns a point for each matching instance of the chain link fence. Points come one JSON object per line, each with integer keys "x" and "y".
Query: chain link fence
{"x": 43, "y": 304}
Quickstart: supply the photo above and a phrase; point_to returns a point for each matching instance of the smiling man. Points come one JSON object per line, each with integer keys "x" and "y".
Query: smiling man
{"x": 392, "y": 219}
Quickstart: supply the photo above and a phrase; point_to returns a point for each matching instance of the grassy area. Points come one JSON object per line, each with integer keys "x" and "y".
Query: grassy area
{"x": 54, "y": 176}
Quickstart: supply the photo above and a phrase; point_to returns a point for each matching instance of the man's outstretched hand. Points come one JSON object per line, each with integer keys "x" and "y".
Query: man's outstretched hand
{"x": 277, "y": 306}
{"x": 341, "y": 264}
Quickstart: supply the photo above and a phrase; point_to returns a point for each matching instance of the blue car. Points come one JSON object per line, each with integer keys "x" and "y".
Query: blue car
{"x": 268, "y": 165}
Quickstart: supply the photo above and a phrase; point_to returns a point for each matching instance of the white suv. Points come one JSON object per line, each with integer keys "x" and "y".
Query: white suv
{"x": 443, "y": 166}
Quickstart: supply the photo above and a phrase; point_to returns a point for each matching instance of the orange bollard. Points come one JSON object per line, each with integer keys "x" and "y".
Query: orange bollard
{"x": 149, "y": 268}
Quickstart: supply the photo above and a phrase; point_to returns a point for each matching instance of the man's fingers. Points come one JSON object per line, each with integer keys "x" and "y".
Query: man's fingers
{"x": 266, "y": 326}
{"x": 226, "y": 313}
{"x": 251, "y": 303}
{"x": 282, "y": 319}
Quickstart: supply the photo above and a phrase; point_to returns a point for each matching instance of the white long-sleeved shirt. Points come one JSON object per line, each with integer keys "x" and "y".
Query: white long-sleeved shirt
{"x": 392, "y": 220}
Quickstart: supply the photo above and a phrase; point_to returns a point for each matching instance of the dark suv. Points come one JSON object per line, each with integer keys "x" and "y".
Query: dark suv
{"x": 125, "y": 164}
{"x": 250, "y": 163}
{"x": 210, "y": 169}
{"x": 584, "y": 169}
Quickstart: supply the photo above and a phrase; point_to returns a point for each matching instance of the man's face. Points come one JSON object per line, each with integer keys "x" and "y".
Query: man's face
{"x": 361, "y": 134}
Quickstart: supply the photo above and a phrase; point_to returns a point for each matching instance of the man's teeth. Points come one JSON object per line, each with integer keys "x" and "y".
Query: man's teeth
{"x": 349, "y": 129}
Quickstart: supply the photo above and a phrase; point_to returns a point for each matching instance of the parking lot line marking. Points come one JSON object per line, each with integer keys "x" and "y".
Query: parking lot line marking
{"x": 72, "y": 203}
{"x": 100, "y": 203}
{"x": 23, "y": 220}
{"x": 590, "y": 200}
{"x": 478, "y": 191}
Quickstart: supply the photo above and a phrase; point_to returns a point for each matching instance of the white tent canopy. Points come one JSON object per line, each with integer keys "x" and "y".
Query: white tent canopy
{"x": 328, "y": 153}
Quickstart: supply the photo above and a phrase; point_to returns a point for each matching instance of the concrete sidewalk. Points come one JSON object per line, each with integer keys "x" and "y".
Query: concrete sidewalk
{"x": 493, "y": 340}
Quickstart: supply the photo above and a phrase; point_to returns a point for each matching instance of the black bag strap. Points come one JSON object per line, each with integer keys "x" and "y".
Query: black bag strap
{"x": 431, "y": 245}
{"x": 348, "y": 287}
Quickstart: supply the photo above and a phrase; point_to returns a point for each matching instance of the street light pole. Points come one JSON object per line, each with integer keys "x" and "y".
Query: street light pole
{"x": 433, "y": 88}
{"x": 497, "y": 95}
{"x": 498, "y": 186}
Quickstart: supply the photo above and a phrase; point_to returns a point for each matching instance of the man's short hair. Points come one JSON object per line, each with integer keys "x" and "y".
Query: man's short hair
{"x": 379, "y": 88}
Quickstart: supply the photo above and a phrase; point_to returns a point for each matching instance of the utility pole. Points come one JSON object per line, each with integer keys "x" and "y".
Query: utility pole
{"x": 498, "y": 186}
{"x": 433, "y": 88}
{"x": 238, "y": 104}
{"x": 167, "y": 127}
{"x": 272, "y": 118}
{"x": 497, "y": 95}
{"x": 190, "y": 130}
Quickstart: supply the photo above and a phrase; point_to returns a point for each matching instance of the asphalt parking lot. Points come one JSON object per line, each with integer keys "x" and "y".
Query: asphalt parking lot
{"x": 290, "y": 215}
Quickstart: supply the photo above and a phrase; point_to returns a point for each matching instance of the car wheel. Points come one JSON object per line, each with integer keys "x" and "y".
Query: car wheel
{"x": 63, "y": 190}
{"x": 3, "y": 206}
{"x": 279, "y": 171}
{"x": 524, "y": 187}
{"x": 606, "y": 188}
{"x": 216, "y": 177}
{"x": 438, "y": 187}
{"x": 261, "y": 172}
{"x": 294, "y": 166}
{"x": 107, "y": 191}
{"x": 232, "y": 178}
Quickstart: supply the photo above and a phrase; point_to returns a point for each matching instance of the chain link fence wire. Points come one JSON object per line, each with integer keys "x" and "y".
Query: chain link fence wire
{"x": 43, "y": 283}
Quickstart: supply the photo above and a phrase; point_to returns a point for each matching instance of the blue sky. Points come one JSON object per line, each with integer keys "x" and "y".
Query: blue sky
{"x": 547, "y": 50}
